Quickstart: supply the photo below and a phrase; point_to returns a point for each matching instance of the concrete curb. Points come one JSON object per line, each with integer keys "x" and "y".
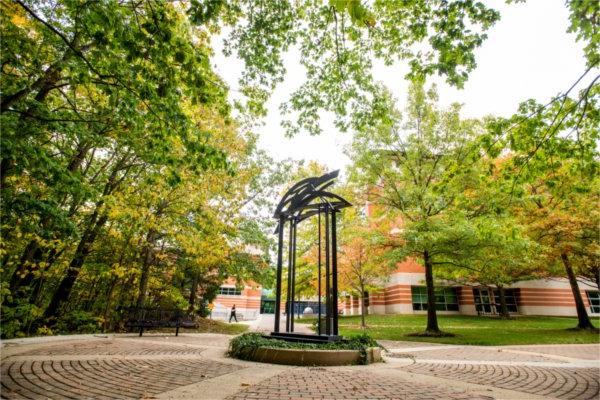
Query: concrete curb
{"x": 312, "y": 357}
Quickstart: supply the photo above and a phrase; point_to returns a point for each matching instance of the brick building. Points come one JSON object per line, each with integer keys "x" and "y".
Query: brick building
{"x": 246, "y": 299}
{"x": 405, "y": 293}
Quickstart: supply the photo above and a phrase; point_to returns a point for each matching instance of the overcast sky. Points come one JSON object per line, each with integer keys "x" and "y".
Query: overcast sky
{"x": 528, "y": 54}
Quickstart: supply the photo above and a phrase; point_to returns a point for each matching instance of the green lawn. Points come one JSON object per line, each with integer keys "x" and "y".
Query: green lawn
{"x": 473, "y": 330}
{"x": 207, "y": 325}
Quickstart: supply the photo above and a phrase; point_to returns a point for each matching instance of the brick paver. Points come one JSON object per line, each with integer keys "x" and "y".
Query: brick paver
{"x": 113, "y": 347}
{"x": 103, "y": 379}
{"x": 397, "y": 344}
{"x": 562, "y": 383}
{"x": 121, "y": 367}
{"x": 580, "y": 351}
{"x": 100, "y": 369}
{"x": 321, "y": 383}
{"x": 473, "y": 354}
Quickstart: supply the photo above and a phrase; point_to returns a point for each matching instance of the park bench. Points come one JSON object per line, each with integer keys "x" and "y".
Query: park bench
{"x": 145, "y": 318}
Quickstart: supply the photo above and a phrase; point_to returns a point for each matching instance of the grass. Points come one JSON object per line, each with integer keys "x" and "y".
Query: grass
{"x": 486, "y": 331}
{"x": 209, "y": 326}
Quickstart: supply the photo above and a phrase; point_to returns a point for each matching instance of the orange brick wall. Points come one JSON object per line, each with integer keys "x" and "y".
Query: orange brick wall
{"x": 465, "y": 295}
{"x": 410, "y": 266}
{"x": 247, "y": 302}
{"x": 549, "y": 297}
{"x": 398, "y": 294}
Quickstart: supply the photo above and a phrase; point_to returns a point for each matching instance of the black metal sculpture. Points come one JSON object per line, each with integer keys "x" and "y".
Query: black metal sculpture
{"x": 306, "y": 199}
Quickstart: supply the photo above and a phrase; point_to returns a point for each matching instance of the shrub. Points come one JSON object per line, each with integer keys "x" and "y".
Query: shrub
{"x": 44, "y": 331}
{"x": 203, "y": 310}
{"x": 79, "y": 322}
{"x": 244, "y": 346}
{"x": 18, "y": 319}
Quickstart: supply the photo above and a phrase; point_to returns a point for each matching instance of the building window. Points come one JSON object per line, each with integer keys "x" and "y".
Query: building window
{"x": 445, "y": 298}
{"x": 487, "y": 300}
{"x": 230, "y": 291}
{"x": 594, "y": 298}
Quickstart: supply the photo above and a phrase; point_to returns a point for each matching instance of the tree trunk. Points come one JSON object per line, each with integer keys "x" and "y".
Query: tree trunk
{"x": 432, "y": 323}
{"x": 146, "y": 263}
{"x": 148, "y": 257}
{"x": 93, "y": 226}
{"x": 125, "y": 292}
{"x": 94, "y": 291}
{"x": 83, "y": 250}
{"x": 584, "y": 321}
{"x": 43, "y": 84}
{"x": 503, "y": 307}
{"x": 23, "y": 274}
{"x": 108, "y": 301}
{"x": 193, "y": 290}
{"x": 363, "y": 308}
{"x": 38, "y": 283}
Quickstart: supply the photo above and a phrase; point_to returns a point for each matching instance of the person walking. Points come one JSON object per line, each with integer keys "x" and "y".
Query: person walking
{"x": 232, "y": 315}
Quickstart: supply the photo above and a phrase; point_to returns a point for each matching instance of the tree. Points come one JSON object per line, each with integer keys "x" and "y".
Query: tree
{"x": 562, "y": 109}
{"x": 336, "y": 42}
{"x": 89, "y": 99}
{"x": 418, "y": 170}
{"x": 118, "y": 154}
{"x": 558, "y": 220}
{"x": 361, "y": 267}
{"x": 504, "y": 256}
{"x": 553, "y": 183}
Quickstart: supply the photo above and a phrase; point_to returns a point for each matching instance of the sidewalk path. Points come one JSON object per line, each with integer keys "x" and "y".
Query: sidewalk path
{"x": 266, "y": 322}
{"x": 195, "y": 366}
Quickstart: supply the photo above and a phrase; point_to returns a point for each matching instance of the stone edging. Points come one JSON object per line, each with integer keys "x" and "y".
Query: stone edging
{"x": 308, "y": 357}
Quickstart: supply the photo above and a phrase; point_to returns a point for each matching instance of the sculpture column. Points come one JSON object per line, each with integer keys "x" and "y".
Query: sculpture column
{"x": 328, "y": 313}
{"x": 293, "y": 264}
{"x": 288, "y": 304}
{"x": 334, "y": 300}
{"x": 319, "y": 330}
{"x": 279, "y": 273}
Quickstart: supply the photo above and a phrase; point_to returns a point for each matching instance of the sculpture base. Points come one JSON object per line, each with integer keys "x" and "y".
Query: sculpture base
{"x": 312, "y": 357}
{"x": 303, "y": 337}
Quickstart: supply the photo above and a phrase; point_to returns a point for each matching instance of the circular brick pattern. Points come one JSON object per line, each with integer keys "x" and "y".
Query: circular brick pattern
{"x": 578, "y": 351}
{"x": 114, "y": 348}
{"x": 562, "y": 383}
{"x": 322, "y": 384}
{"x": 101, "y": 369}
{"x": 472, "y": 354}
{"x": 131, "y": 367}
{"x": 103, "y": 379}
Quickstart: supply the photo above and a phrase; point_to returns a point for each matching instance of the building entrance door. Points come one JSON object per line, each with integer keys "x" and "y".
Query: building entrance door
{"x": 267, "y": 306}
{"x": 487, "y": 300}
{"x": 484, "y": 301}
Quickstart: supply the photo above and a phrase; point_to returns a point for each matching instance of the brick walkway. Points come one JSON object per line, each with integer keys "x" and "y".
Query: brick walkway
{"x": 578, "y": 351}
{"x": 322, "y": 383}
{"x": 116, "y": 368}
{"x": 475, "y": 353}
{"x": 118, "y": 347}
{"x": 194, "y": 366}
{"x": 561, "y": 383}
{"x": 103, "y": 379}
